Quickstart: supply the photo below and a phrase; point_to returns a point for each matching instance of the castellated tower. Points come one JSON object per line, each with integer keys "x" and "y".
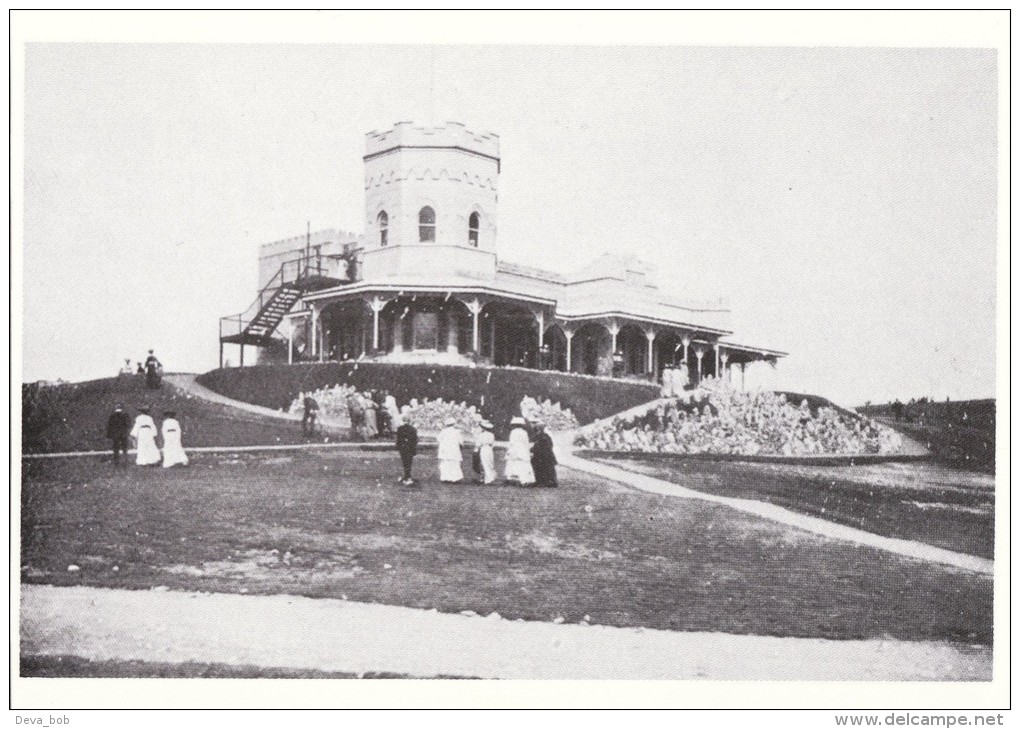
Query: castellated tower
{"x": 434, "y": 186}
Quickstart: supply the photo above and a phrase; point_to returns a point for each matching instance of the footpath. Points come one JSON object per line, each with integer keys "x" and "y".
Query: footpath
{"x": 283, "y": 631}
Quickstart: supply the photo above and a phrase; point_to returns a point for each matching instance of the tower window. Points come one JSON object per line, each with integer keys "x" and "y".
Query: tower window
{"x": 473, "y": 225}
{"x": 427, "y": 225}
{"x": 384, "y": 223}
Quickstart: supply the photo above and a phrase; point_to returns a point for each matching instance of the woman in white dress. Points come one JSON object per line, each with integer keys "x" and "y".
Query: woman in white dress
{"x": 450, "y": 455}
{"x": 144, "y": 435}
{"x": 173, "y": 449}
{"x": 486, "y": 454}
{"x": 518, "y": 455}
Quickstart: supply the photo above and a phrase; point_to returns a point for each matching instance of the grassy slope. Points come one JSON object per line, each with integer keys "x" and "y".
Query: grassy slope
{"x": 496, "y": 391}
{"x": 588, "y": 548}
{"x": 920, "y": 502}
{"x": 957, "y": 441}
{"x": 73, "y": 417}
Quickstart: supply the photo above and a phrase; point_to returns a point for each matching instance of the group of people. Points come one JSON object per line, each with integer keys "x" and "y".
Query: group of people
{"x": 373, "y": 414}
{"x": 530, "y": 458}
{"x": 674, "y": 379}
{"x": 152, "y": 370}
{"x": 143, "y": 433}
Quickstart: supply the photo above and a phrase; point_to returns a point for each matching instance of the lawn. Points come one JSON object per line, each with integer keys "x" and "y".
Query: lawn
{"x": 332, "y": 524}
{"x": 924, "y": 502}
{"x": 72, "y": 417}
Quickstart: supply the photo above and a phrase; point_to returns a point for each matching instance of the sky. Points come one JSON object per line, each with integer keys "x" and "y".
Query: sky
{"x": 844, "y": 200}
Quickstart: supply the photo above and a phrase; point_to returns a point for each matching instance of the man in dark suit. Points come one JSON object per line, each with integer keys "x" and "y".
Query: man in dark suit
{"x": 118, "y": 428}
{"x": 407, "y": 446}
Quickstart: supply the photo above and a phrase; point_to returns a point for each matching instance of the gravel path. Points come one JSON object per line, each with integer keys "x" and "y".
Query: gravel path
{"x": 282, "y": 631}
{"x": 905, "y": 547}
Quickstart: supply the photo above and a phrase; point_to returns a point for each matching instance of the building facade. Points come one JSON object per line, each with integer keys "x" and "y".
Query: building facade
{"x": 425, "y": 283}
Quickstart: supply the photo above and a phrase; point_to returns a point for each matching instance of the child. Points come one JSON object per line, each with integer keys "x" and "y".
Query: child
{"x": 407, "y": 445}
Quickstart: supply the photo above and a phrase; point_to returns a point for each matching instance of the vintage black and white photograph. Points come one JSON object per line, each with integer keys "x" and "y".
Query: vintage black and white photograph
{"x": 477, "y": 360}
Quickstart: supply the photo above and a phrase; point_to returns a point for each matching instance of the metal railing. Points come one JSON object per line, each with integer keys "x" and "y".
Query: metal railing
{"x": 297, "y": 273}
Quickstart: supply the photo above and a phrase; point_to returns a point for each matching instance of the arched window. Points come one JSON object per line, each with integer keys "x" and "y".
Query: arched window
{"x": 427, "y": 225}
{"x": 383, "y": 220}
{"x": 473, "y": 225}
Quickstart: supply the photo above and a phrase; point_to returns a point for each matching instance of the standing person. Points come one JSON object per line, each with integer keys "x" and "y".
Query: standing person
{"x": 144, "y": 435}
{"x": 118, "y": 429}
{"x": 381, "y": 416}
{"x": 486, "y": 452}
{"x": 140, "y": 370}
{"x": 450, "y": 455}
{"x": 392, "y": 413}
{"x": 681, "y": 378}
{"x": 173, "y": 447}
{"x": 666, "y": 389}
{"x": 310, "y": 417}
{"x": 370, "y": 422}
{"x": 518, "y": 455}
{"x": 357, "y": 415}
{"x": 544, "y": 457}
{"x": 407, "y": 445}
{"x": 153, "y": 371}
{"x": 126, "y": 369}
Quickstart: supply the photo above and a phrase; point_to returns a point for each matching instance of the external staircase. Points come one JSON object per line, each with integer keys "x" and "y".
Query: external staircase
{"x": 255, "y": 325}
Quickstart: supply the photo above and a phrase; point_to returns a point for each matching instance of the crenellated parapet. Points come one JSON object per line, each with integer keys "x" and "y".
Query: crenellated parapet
{"x": 452, "y": 135}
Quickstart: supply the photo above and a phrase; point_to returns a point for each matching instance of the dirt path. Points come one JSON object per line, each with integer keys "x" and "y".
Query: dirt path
{"x": 188, "y": 384}
{"x": 282, "y": 631}
{"x": 907, "y": 548}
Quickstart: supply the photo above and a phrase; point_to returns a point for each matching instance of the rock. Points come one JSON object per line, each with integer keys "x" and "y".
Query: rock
{"x": 587, "y": 618}
{"x": 494, "y": 616}
{"x": 73, "y": 568}
{"x": 559, "y": 619}
{"x": 116, "y": 568}
{"x": 387, "y": 566}
{"x": 161, "y": 588}
{"x": 469, "y": 613}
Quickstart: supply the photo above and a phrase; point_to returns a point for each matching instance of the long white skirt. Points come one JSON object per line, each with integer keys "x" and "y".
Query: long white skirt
{"x": 147, "y": 453}
{"x": 450, "y": 471}
{"x": 518, "y": 469}
{"x": 488, "y": 463}
{"x": 173, "y": 451}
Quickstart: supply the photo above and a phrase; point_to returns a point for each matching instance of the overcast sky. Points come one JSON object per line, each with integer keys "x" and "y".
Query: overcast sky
{"x": 844, "y": 200}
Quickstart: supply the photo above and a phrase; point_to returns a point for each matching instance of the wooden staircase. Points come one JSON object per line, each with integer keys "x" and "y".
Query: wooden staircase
{"x": 256, "y": 325}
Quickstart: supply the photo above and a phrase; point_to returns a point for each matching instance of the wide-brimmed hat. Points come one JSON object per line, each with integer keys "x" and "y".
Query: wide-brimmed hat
{"x": 517, "y": 421}
{"x": 486, "y": 424}
{"x": 450, "y": 421}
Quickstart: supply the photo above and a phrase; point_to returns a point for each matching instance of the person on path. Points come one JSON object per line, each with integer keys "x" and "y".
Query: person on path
{"x": 173, "y": 448}
{"x": 486, "y": 452}
{"x": 681, "y": 378}
{"x": 370, "y": 423}
{"x": 392, "y": 412}
{"x": 311, "y": 416}
{"x": 543, "y": 458}
{"x": 407, "y": 446}
{"x": 357, "y": 414}
{"x": 144, "y": 435}
{"x": 666, "y": 388}
{"x": 118, "y": 430}
{"x": 153, "y": 371}
{"x": 382, "y": 426}
{"x": 450, "y": 455}
{"x": 518, "y": 455}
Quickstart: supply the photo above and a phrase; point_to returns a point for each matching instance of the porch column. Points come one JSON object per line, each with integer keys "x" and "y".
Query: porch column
{"x": 614, "y": 329}
{"x": 724, "y": 358}
{"x": 315, "y": 330}
{"x": 475, "y": 307}
{"x": 687, "y": 343}
{"x": 569, "y": 335}
{"x": 398, "y": 330}
{"x": 541, "y": 328}
{"x": 717, "y": 373}
{"x": 221, "y": 354}
{"x": 492, "y": 338}
{"x": 242, "y": 354}
{"x": 743, "y": 384}
{"x": 377, "y": 305}
{"x": 700, "y": 354}
{"x": 650, "y": 335}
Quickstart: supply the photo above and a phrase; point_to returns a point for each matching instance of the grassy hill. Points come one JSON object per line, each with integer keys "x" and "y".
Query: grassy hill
{"x": 497, "y": 392}
{"x": 960, "y": 433}
{"x": 72, "y": 417}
